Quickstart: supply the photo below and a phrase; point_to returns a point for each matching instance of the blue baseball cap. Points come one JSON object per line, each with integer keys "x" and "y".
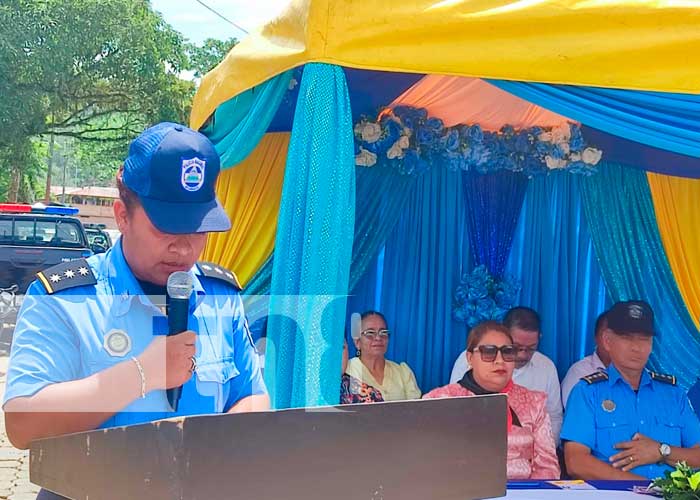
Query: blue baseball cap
{"x": 173, "y": 170}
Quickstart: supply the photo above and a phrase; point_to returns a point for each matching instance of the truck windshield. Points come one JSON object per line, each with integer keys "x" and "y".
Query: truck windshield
{"x": 41, "y": 232}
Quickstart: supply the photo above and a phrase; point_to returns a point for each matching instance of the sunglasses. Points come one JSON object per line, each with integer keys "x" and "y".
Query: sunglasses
{"x": 488, "y": 352}
{"x": 371, "y": 334}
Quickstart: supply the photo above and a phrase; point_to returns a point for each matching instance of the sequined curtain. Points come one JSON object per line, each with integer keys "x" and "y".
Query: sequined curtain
{"x": 314, "y": 241}
{"x": 423, "y": 259}
{"x": 493, "y": 204}
{"x": 554, "y": 259}
{"x": 620, "y": 215}
{"x": 381, "y": 194}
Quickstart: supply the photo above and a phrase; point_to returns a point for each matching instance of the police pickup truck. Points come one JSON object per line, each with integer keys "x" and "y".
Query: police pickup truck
{"x": 33, "y": 238}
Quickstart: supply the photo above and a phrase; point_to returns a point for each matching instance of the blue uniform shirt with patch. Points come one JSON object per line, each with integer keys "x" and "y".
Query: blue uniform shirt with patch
{"x": 61, "y": 337}
{"x": 602, "y": 414}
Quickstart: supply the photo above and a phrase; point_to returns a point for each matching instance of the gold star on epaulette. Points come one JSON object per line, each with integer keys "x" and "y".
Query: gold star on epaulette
{"x": 596, "y": 377}
{"x": 663, "y": 377}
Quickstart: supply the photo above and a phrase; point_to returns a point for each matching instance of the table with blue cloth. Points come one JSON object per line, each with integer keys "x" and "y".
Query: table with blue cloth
{"x": 543, "y": 490}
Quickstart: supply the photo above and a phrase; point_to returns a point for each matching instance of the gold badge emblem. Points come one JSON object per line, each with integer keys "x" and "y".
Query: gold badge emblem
{"x": 609, "y": 405}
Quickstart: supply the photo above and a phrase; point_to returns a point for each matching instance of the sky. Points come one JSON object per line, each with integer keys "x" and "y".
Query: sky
{"x": 196, "y": 23}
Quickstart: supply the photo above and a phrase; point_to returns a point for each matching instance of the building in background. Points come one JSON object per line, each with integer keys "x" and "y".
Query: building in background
{"x": 95, "y": 202}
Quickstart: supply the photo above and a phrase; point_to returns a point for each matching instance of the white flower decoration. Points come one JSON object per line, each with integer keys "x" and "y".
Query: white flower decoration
{"x": 591, "y": 156}
{"x": 365, "y": 158}
{"x": 371, "y": 132}
{"x": 554, "y": 163}
{"x": 561, "y": 134}
{"x": 395, "y": 151}
{"x": 403, "y": 142}
{"x": 545, "y": 137}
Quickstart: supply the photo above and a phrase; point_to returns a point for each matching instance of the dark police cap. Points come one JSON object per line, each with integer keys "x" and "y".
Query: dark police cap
{"x": 634, "y": 316}
{"x": 173, "y": 170}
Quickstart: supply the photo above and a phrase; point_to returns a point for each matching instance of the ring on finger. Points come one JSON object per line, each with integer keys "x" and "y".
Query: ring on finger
{"x": 193, "y": 368}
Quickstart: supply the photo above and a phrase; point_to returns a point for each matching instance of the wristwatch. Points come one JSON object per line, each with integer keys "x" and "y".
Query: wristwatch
{"x": 664, "y": 451}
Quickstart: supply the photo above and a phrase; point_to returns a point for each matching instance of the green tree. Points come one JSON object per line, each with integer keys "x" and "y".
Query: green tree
{"x": 205, "y": 57}
{"x": 95, "y": 71}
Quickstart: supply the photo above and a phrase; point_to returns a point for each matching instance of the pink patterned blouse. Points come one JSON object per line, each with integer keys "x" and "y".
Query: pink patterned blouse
{"x": 531, "y": 451}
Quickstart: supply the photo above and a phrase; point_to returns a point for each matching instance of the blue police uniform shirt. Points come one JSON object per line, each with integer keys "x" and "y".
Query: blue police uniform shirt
{"x": 658, "y": 410}
{"x": 694, "y": 397}
{"x": 61, "y": 337}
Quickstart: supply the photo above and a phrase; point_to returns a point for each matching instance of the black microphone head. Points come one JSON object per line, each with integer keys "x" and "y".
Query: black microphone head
{"x": 180, "y": 285}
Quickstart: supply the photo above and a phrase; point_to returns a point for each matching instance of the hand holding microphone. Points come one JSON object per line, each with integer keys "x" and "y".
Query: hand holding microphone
{"x": 168, "y": 361}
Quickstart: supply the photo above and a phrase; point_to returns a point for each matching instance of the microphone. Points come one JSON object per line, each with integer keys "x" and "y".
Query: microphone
{"x": 179, "y": 288}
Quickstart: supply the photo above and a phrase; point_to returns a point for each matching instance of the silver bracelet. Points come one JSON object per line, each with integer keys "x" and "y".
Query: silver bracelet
{"x": 143, "y": 377}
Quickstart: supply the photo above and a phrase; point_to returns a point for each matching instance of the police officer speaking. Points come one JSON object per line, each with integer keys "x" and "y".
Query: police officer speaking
{"x": 627, "y": 422}
{"x": 91, "y": 348}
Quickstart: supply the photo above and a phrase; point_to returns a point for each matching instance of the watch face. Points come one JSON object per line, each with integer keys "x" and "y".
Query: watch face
{"x": 665, "y": 450}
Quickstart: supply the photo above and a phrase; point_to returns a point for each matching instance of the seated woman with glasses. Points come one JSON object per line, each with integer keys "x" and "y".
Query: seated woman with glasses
{"x": 491, "y": 355}
{"x": 352, "y": 390}
{"x": 395, "y": 381}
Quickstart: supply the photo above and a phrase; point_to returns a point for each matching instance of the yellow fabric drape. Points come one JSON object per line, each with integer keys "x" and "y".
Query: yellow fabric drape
{"x": 606, "y": 43}
{"x": 676, "y": 202}
{"x": 250, "y": 194}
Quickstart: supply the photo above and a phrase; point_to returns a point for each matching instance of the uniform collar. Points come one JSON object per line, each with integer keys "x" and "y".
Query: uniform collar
{"x": 126, "y": 288}
{"x": 597, "y": 362}
{"x": 614, "y": 376}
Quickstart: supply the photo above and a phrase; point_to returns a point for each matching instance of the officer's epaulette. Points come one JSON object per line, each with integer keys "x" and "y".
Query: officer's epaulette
{"x": 211, "y": 270}
{"x": 66, "y": 275}
{"x": 596, "y": 377}
{"x": 662, "y": 377}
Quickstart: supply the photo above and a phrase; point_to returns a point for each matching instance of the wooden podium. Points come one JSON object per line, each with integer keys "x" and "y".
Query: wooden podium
{"x": 451, "y": 449}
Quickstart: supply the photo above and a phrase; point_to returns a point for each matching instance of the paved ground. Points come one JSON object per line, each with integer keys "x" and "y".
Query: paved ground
{"x": 14, "y": 464}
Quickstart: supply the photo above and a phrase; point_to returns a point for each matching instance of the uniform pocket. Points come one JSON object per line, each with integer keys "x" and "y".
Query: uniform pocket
{"x": 611, "y": 430}
{"x": 669, "y": 429}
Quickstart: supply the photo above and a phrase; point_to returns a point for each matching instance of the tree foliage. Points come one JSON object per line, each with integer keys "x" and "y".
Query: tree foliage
{"x": 93, "y": 70}
{"x": 205, "y": 57}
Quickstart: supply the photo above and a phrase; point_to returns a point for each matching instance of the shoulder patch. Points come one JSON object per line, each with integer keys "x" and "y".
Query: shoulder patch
{"x": 596, "y": 377}
{"x": 662, "y": 377}
{"x": 211, "y": 270}
{"x": 66, "y": 275}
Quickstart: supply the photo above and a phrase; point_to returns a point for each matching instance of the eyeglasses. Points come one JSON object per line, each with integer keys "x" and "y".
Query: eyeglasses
{"x": 488, "y": 352}
{"x": 371, "y": 334}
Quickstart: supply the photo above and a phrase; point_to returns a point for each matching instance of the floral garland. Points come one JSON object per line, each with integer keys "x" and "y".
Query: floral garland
{"x": 405, "y": 138}
{"x": 480, "y": 297}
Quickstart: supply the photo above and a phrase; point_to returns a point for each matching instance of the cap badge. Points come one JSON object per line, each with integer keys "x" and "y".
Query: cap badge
{"x": 117, "y": 343}
{"x": 635, "y": 311}
{"x": 609, "y": 405}
{"x": 192, "y": 174}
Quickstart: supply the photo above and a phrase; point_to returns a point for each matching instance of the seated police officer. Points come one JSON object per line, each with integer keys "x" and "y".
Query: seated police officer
{"x": 627, "y": 422}
{"x": 90, "y": 349}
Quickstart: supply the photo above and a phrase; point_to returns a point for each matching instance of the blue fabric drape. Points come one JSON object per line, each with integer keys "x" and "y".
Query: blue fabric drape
{"x": 381, "y": 193}
{"x": 423, "y": 258}
{"x": 314, "y": 236}
{"x": 620, "y": 214}
{"x": 553, "y": 257}
{"x": 493, "y": 203}
{"x": 239, "y": 123}
{"x": 664, "y": 120}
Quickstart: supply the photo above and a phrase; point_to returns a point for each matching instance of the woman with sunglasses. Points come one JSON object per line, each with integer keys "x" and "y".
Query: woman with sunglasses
{"x": 395, "y": 381}
{"x": 491, "y": 355}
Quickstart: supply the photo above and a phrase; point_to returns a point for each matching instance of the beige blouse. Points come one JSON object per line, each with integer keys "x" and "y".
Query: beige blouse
{"x": 399, "y": 381}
